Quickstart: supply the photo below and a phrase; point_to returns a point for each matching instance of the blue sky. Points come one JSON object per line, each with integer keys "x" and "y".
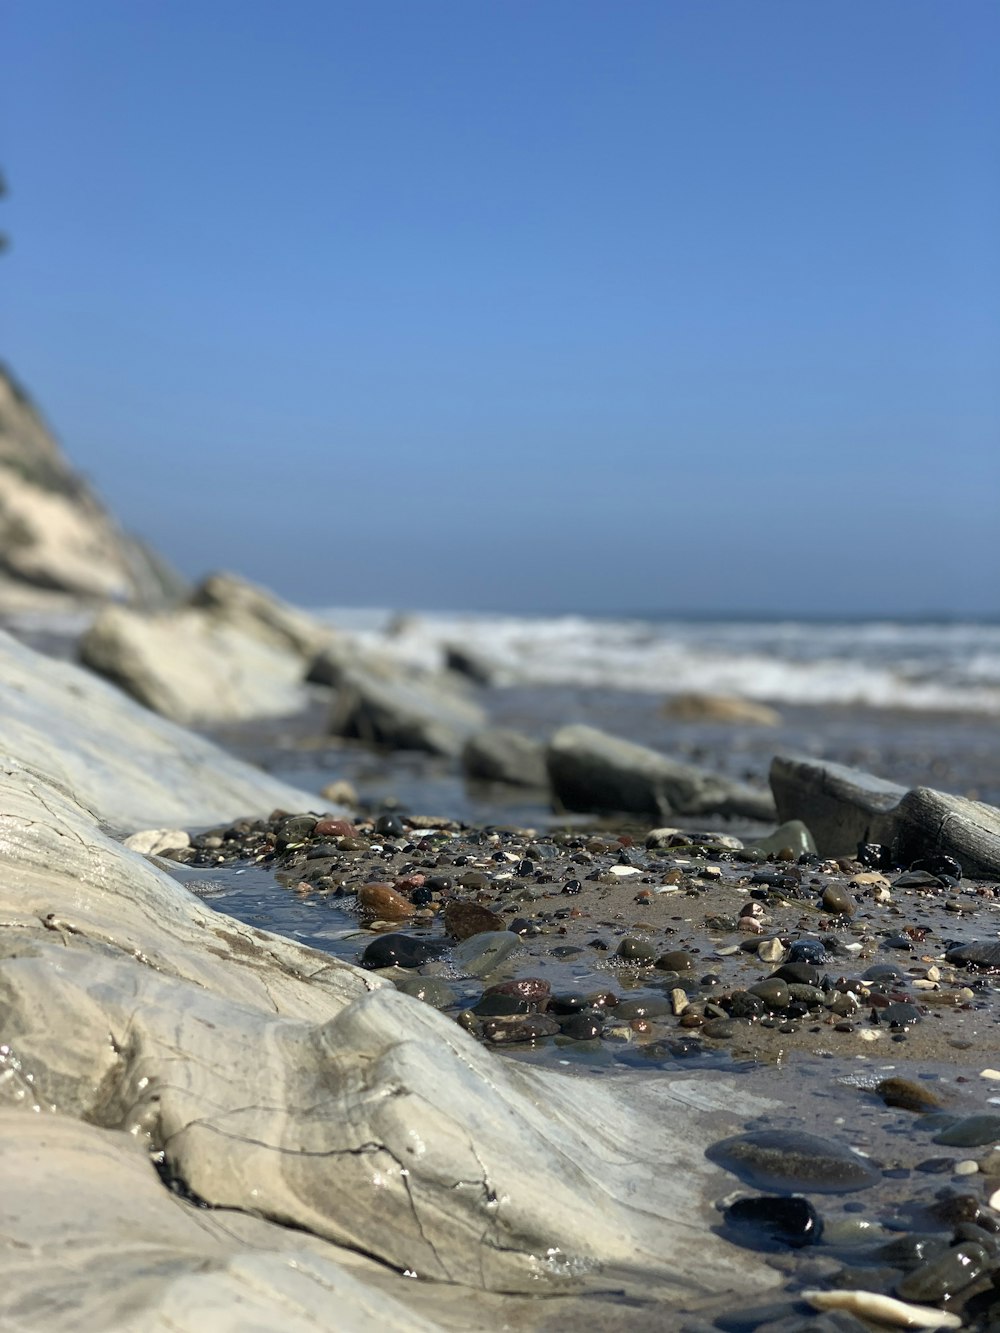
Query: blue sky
{"x": 522, "y": 304}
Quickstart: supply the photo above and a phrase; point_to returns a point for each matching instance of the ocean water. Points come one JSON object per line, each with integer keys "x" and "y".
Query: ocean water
{"x": 922, "y": 666}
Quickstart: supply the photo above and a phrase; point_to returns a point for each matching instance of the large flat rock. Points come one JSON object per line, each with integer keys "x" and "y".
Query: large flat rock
{"x": 132, "y": 768}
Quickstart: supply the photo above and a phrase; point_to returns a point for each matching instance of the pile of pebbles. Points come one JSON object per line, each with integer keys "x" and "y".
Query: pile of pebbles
{"x": 666, "y": 946}
{"x": 668, "y": 942}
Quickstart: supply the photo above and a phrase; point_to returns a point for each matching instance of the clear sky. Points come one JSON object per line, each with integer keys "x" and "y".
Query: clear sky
{"x": 521, "y": 304}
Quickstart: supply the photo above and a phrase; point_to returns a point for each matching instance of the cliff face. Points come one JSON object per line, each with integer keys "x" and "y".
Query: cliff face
{"x": 56, "y": 538}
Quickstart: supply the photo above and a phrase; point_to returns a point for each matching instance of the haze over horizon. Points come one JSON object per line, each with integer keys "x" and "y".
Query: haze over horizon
{"x": 522, "y": 307}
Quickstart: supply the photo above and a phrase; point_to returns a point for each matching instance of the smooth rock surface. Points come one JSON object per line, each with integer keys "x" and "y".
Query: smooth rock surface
{"x": 590, "y": 770}
{"x": 404, "y": 714}
{"x": 498, "y": 754}
{"x": 131, "y": 768}
{"x": 194, "y": 666}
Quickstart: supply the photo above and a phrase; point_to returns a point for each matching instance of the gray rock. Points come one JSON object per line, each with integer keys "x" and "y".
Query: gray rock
{"x": 193, "y": 666}
{"x": 133, "y": 769}
{"x": 155, "y": 841}
{"x": 844, "y": 806}
{"x": 793, "y": 834}
{"x": 483, "y": 953}
{"x": 930, "y": 821}
{"x": 343, "y": 655}
{"x": 499, "y": 754}
{"x": 474, "y": 665}
{"x": 403, "y": 715}
{"x": 841, "y": 806}
{"x": 591, "y": 770}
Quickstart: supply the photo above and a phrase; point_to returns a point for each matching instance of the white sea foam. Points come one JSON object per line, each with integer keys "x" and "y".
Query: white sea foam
{"x": 886, "y": 663}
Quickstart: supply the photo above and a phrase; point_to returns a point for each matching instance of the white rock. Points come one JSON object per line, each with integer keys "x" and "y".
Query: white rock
{"x": 193, "y": 666}
{"x": 154, "y": 841}
{"x": 258, "y": 612}
{"x": 882, "y": 1309}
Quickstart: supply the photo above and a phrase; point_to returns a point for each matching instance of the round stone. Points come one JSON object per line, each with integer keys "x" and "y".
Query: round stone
{"x": 400, "y": 951}
{"x": 769, "y": 1222}
{"x": 787, "y": 1163}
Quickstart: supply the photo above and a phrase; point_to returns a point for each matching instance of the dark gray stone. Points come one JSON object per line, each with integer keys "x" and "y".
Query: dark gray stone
{"x": 841, "y": 806}
{"x": 591, "y": 770}
{"x": 498, "y": 754}
{"x": 403, "y": 715}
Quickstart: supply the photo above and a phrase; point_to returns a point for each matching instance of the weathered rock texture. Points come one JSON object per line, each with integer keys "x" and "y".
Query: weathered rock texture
{"x": 133, "y": 769}
{"x": 404, "y": 714}
{"x": 55, "y": 536}
{"x": 194, "y": 667}
{"x": 309, "y": 1097}
{"x": 591, "y": 770}
{"x": 845, "y": 806}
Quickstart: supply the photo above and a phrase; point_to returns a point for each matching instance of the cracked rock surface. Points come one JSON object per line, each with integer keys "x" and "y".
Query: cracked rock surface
{"x": 327, "y": 1112}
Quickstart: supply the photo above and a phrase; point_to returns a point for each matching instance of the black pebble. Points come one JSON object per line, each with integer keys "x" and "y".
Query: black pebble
{"x": 764, "y": 1222}
{"x": 400, "y": 951}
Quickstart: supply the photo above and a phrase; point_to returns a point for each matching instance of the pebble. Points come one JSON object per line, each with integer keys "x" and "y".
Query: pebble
{"x": 463, "y": 919}
{"x": 838, "y": 901}
{"x": 581, "y": 1027}
{"x": 400, "y": 951}
{"x": 882, "y": 1309}
{"x": 983, "y": 955}
{"x": 483, "y": 953}
{"x": 907, "y": 1094}
{"x": 432, "y": 990}
{"x": 792, "y": 836}
{"x": 634, "y": 950}
{"x": 525, "y": 988}
{"x": 775, "y": 1221}
{"x": 970, "y": 1132}
{"x": 794, "y": 1162}
{"x": 382, "y": 901}
{"x": 678, "y": 960}
{"x": 940, "y": 1278}
{"x": 508, "y": 1031}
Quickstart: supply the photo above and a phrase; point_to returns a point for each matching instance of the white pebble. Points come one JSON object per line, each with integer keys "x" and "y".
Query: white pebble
{"x": 679, "y": 1000}
{"x": 883, "y": 1309}
{"x": 966, "y": 1168}
{"x": 622, "y": 871}
{"x": 989, "y": 1073}
{"x": 994, "y": 1199}
{"x": 869, "y": 1034}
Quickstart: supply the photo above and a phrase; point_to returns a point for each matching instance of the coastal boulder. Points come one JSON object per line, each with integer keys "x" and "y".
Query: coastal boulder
{"x": 845, "y": 806}
{"x": 261, "y": 614}
{"x": 590, "y": 770}
{"x": 498, "y": 754}
{"x": 403, "y": 714}
{"x": 841, "y": 806}
{"x": 194, "y": 667}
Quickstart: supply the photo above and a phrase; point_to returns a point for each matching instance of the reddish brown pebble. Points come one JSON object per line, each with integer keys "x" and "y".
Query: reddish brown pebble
{"x": 526, "y": 988}
{"x": 382, "y": 902}
{"x": 410, "y": 882}
{"x": 334, "y": 828}
{"x": 691, "y": 1020}
{"x": 640, "y": 1025}
{"x": 463, "y": 919}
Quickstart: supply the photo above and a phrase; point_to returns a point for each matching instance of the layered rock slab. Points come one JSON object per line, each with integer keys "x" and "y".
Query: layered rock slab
{"x": 590, "y": 770}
